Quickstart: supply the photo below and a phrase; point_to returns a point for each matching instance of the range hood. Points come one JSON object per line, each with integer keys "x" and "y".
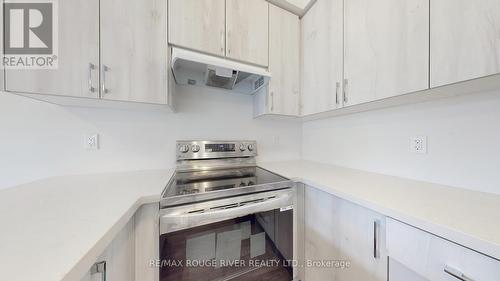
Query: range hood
{"x": 192, "y": 68}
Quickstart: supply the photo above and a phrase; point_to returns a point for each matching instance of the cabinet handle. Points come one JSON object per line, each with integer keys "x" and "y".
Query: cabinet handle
{"x": 104, "y": 90}
{"x": 376, "y": 234}
{"x": 222, "y": 43}
{"x": 272, "y": 101}
{"x": 91, "y": 67}
{"x": 456, "y": 273}
{"x": 337, "y": 87}
{"x": 227, "y": 42}
{"x": 99, "y": 267}
{"x": 346, "y": 83}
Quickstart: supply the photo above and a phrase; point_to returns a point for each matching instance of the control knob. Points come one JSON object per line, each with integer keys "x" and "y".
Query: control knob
{"x": 195, "y": 148}
{"x": 184, "y": 148}
{"x": 242, "y": 147}
{"x": 250, "y": 147}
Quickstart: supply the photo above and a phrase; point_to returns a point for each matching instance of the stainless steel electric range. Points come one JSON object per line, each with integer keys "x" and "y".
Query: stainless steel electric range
{"x": 224, "y": 218}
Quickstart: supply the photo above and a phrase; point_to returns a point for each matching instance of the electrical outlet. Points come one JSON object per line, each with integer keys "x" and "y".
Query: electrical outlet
{"x": 418, "y": 144}
{"x": 276, "y": 140}
{"x": 91, "y": 142}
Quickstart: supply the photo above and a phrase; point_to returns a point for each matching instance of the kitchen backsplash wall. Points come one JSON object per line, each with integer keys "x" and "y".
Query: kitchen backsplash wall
{"x": 41, "y": 140}
{"x": 463, "y": 139}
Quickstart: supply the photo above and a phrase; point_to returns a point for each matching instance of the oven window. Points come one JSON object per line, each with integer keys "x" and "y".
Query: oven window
{"x": 254, "y": 247}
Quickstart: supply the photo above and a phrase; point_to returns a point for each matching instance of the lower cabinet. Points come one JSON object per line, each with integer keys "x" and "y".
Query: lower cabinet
{"x": 423, "y": 256}
{"x": 343, "y": 241}
{"x": 128, "y": 256}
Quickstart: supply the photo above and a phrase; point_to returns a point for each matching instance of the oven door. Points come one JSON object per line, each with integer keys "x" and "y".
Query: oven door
{"x": 241, "y": 238}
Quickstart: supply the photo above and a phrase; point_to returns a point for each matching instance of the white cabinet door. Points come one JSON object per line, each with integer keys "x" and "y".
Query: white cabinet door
{"x": 337, "y": 230}
{"x": 198, "y": 25}
{"x": 284, "y": 64}
{"x": 321, "y": 235}
{"x": 119, "y": 257}
{"x": 361, "y": 240}
{"x": 435, "y": 258}
{"x": 247, "y": 31}
{"x": 386, "y": 48}
{"x": 465, "y": 40}
{"x": 322, "y": 57}
{"x": 134, "y": 51}
{"x": 78, "y": 47}
{"x": 147, "y": 243}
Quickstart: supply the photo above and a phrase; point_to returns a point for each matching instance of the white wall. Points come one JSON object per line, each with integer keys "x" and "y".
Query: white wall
{"x": 463, "y": 141}
{"x": 41, "y": 140}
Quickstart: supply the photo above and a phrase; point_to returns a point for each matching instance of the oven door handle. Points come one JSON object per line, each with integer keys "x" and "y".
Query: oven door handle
{"x": 174, "y": 221}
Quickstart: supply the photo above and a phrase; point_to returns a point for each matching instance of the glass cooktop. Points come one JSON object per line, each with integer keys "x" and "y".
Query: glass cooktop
{"x": 198, "y": 184}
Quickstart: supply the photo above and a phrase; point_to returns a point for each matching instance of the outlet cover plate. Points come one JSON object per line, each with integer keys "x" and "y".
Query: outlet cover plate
{"x": 418, "y": 144}
{"x": 91, "y": 141}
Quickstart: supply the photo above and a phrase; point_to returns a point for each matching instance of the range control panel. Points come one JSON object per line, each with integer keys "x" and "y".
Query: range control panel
{"x": 187, "y": 150}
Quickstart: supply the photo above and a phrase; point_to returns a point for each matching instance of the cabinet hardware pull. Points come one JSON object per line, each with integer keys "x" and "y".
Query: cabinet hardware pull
{"x": 104, "y": 90}
{"x": 272, "y": 101}
{"x": 337, "y": 87}
{"x": 99, "y": 267}
{"x": 91, "y": 88}
{"x": 456, "y": 273}
{"x": 346, "y": 83}
{"x": 222, "y": 42}
{"x": 376, "y": 233}
{"x": 228, "y": 36}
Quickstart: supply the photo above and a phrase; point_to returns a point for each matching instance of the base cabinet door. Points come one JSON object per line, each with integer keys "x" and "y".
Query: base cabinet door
{"x": 322, "y": 57}
{"x": 119, "y": 257}
{"x": 386, "y": 48}
{"x": 134, "y": 51}
{"x": 465, "y": 40}
{"x": 77, "y": 56}
{"x": 128, "y": 257}
{"x": 433, "y": 258}
{"x": 343, "y": 241}
{"x": 361, "y": 240}
{"x": 320, "y": 219}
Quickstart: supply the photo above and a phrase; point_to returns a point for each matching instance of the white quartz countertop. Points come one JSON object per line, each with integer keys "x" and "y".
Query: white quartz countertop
{"x": 55, "y": 229}
{"x": 469, "y": 218}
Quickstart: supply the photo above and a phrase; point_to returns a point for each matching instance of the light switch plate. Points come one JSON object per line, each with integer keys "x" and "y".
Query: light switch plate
{"x": 91, "y": 141}
{"x": 418, "y": 144}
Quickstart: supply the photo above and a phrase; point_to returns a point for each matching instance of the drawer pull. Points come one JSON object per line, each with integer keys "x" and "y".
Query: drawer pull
{"x": 376, "y": 238}
{"x": 456, "y": 273}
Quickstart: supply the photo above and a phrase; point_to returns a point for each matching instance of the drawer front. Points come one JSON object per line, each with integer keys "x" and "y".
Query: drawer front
{"x": 435, "y": 258}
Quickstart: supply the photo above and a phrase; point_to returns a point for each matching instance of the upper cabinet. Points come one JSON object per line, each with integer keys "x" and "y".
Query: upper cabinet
{"x": 247, "y": 32}
{"x": 236, "y": 29}
{"x": 108, "y": 49}
{"x": 198, "y": 24}
{"x": 386, "y": 48}
{"x": 134, "y": 50}
{"x": 465, "y": 40}
{"x": 322, "y": 61}
{"x": 78, "y": 56}
{"x": 284, "y": 61}
{"x": 283, "y": 93}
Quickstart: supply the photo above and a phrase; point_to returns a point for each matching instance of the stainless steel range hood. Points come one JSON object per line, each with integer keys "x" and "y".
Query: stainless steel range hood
{"x": 192, "y": 68}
